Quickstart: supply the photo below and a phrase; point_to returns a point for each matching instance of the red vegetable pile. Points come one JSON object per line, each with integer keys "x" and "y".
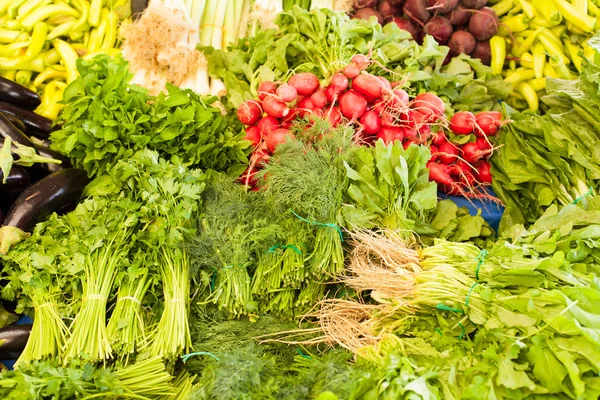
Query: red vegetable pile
{"x": 379, "y": 109}
{"x": 465, "y": 26}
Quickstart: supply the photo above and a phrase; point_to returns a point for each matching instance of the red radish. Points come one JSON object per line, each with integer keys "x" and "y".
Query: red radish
{"x": 467, "y": 179}
{"x": 332, "y": 93}
{"x": 401, "y": 95}
{"x": 472, "y": 153}
{"x": 463, "y": 167}
{"x": 417, "y": 10}
{"x": 413, "y": 119}
{"x": 483, "y": 24}
{"x": 386, "y": 84}
{"x": 434, "y": 153}
{"x": 339, "y": 81}
{"x": 265, "y": 88}
{"x": 275, "y": 107}
{"x": 351, "y": 71}
{"x": 439, "y": 139}
{"x": 484, "y": 144}
{"x": 305, "y": 106}
{"x": 484, "y": 172}
{"x": 249, "y": 178}
{"x": 410, "y": 133}
{"x": 483, "y": 52}
{"x": 277, "y": 137}
{"x": 253, "y": 135}
{"x": 249, "y": 112}
{"x": 489, "y": 122}
{"x": 260, "y": 157}
{"x": 368, "y": 85}
{"x": 462, "y": 123}
{"x": 443, "y": 6}
{"x": 267, "y": 124}
{"x": 335, "y": 116}
{"x": 440, "y": 28}
{"x": 461, "y": 42}
{"x": 431, "y": 106}
{"x": 291, "y": 117}
{"x": 361, "y": 61}
{"x": 367, "y": 13}
{"x": 424, "y": 132}
{"x": 448, "y": 153}
{"x": 370, "y": 122}
{"x": 438, "y": 174}
{"x": 459, "y": 16}
{"x": 390, "y": 133}
{"x": 287, "y": 93}
{"x": 319, "y": 99}
{"x": 406, "y": 25}
{"x": 305, "y": 83}
{"x": 352, "y": 105}
{"x": 406, "y": 144}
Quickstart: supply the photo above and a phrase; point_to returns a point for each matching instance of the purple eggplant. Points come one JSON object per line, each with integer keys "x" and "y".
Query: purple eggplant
{"x": 13, "y": 339}
{"x": 19, "y": 95}
{"x": 16, "y": 182}
{"x": 8, "y": 130}
{"x": 15, "y": 121}
{"x": 37, "y": 125}
{"x": 54, "y": 192}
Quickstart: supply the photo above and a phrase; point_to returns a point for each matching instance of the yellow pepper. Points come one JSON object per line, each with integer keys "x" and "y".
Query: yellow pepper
{"x": 575, "y": 16}
{"x": 561, "y": 69}
{"x": 111, "y": 31}
{"x": 548, "y": 11}
{"x": 520, "y": 74}
{"x": 516, "y": 23}
{"x": 552, "y": 48}
{"x": 503, "y": 7}
{"x": 498, "y": 53}
{"x": 38, "y": 40}
{"x": 549, "y": 72}
{"x": 528, "y": 8}
{"x": 526, "y": 60}
{"x": 531, "y": 97}
{"x": 49, "y": 73}
{"x": 528, "y": 42}
{"x": 539, "y": 60}
{"x": 69, "y": 58}
{"x": 537, "y": 84}
{"x": 573, "y": 52}
{"x": 42, "y": 13}
{"x": 23, "y": 77}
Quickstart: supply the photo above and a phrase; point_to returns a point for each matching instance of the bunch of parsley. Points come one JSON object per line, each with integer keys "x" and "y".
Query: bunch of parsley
{"x": 106, "y": 119}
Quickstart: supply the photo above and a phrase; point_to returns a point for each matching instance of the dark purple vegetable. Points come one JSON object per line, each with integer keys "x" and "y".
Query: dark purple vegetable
{"x": 13, "y": 339}
{"x": 483, "y": 52}
{"x": 367, "y": 13}
{"x": 461, "y": 42}
{"x": 15, "y": 121}
{"x": 37, "y": 125}
{"x": 358, "y": 4}
{"x": 49, "y": 194}
{"x": 417, "y": 10}
{"x": 483, "y": 24}
{"x": 387, "y": 11}
{"x": 44, "y": 150}
{"x": 8, "y": 130}
{"x": 396, "y": 3}
{"x": 16, "y": 182}
{"x": 443, "y": 6}
{"x": 1, "y": 218}
{"x": 474, "y": 4}
{"x": 406, "y": 25}
{"x": 18, "y": 95}
{"x": 459, "y": 16}
{"x": 440, "y": 28}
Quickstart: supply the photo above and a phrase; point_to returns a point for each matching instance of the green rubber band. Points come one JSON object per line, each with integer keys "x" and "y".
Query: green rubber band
{"x": 589, "y": 193}
{"x": 302, "y": 354}
{"x": 212, "y": 279}
{"x": 287, "y": 246}
{"x": 469, "y": 294}
{"x": 186, "y": 357}
{"x": 438, "y": 330}
{"x": 462, "y": 334}
{"x": 480, "y": 260}
{"x": 446, "y": 308}
{"x": 337, "y": 228}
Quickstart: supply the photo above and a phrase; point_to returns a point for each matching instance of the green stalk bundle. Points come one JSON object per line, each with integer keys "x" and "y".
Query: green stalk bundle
{"x": 146, "y": 379}
{"x": 232, "y": 289}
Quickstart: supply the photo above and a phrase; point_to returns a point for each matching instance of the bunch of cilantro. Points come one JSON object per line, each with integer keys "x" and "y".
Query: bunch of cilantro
{"x": 323, "y": 41}
{"x": 106, "y": 119}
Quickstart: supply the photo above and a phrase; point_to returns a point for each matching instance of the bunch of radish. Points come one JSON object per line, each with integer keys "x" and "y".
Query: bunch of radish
{"x": 465, "y": 26}
{"x": 462, "y": 169}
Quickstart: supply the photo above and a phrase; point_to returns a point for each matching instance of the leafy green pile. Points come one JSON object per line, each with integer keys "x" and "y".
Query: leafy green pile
{"x": 323, "y": 41}
{"x": 107, "y": 119}
{"x": 554, "y": 158}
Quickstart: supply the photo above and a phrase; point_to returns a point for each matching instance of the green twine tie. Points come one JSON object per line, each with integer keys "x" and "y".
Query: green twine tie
{"x": 302, "y": 354}
{"x": 462, "y": 334}
{"x": 330, "y": 225}
{"x": 287, "y": 246}
{"x": 480, "y": 260}
{"x": 444, "y": 307}
{"x": 588, "y": 193}
{"x": 186, "y": 357}
{"x": 469, "y": 294}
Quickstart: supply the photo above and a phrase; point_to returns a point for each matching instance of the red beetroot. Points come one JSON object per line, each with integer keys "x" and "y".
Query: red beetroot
{"x": 386, "y": 10}
{"x": 370, "y": 122}
{"x": 277, "y": 137}
{"x": 459, "y": 16}
{"x": 417, "y": 9}
{"x": 448, "y": 153}
{"x": 429, "y": 105}
{"x": 319, "y": 99}
{"x": 249, "y": 112}
{"x": 483, "y": 24}
{"x": 305, "y": 83}
{"x": 443, "y": 6}
{"x": 440, "y": 28}
{"x": 367, "y": 13}
{"x": 287, "y": 93}
{"x": 253, "y": 135}
{"x": 275, "y": 107}
{"x": 461, "y": 42}
{"x": 407, "y": 25}
{"x": 489, "y": 122}
{"x": 352, "y": 105}
{"x": 483, "y": 52}
{"x": 265, "y": 88}
{"x": 267, "y": 124}
{"x": 484, "y": 172}
{"x": 462, "y": 123}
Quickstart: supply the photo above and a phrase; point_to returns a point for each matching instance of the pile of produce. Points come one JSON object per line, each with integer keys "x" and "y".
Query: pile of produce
{"x": 262, "y": 199}
{"x": 466, "y": 26}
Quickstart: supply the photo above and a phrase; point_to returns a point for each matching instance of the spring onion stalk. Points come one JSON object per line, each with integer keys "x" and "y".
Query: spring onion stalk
{"x": 173, "y": 336}
{"x": 146, "y": 379}
{"x": 48, "y": 332}
{"x": 99, "y": 273}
